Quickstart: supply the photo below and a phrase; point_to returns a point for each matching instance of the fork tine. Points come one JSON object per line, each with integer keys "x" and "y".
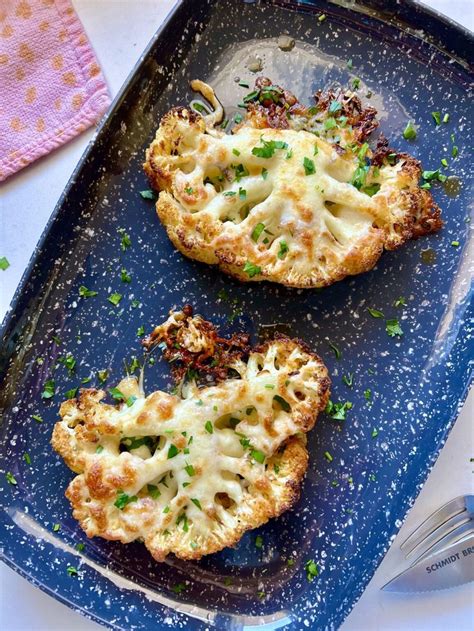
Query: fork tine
{"x": 439, "y": 533}
{"x": 439, "y": 517}
{"x": 451, "y": 537}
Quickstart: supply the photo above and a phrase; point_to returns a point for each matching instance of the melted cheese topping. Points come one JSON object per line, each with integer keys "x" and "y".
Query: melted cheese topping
{"x": 190, "y": 475}
{"x": 292, "y": 214}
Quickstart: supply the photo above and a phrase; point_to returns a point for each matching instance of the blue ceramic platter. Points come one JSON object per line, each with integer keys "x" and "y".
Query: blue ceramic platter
{"x": 406, "y": 391}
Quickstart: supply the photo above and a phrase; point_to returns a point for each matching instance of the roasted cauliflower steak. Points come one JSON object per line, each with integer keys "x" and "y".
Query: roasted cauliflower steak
{"x": 293, "y": 195}
{"x": 191, "y": 474}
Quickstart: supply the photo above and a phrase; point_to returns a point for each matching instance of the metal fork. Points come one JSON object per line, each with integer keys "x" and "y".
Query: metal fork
{"x": 449, "y": 524}
{"x": 444, "y": 542}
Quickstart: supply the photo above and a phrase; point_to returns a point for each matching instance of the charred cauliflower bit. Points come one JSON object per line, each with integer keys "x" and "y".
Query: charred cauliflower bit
{"x": 293, "y": 195}
{"x": 190, "y": 475}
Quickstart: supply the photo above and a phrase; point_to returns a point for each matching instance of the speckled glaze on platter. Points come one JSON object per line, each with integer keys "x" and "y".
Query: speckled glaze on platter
{"x": 353, "y": 503}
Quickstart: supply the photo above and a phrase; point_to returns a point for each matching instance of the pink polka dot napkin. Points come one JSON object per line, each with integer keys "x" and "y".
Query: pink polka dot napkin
{"x": 51, "y": 86}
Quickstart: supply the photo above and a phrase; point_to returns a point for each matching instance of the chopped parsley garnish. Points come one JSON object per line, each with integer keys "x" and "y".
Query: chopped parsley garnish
{"x": 375, "y": 313}
{"x": 349, "y": 64}
{"x": 68, "y": 362}
{"x": 196, "y": 502}
{"x": 178, "y": 588}
{"x": 251, "y": 96}
{"x": 86, "y": 293}
{"x": 334, "y": 107}
{"x": 11, "y": 478}
{"x": 242, "y": 193}
{"x": 454, "y": 151}
{"x": 183, "y": 518}
{"x": 312, "y": 570}
{"x": 371, "y": 189}
{"x": 166, "y": 508}
{"x": 436, "y": 117}
{"x": 285, "y": 406}
{"x": 172, "y": 451}
{"x": 328, "y": 456}
{"x": 238, "y": 118}
{"x": 190, "y": 470}
{"x": 268, "y": 148}
{"x": 245, "y": 442}
{"x": 257, "y": 231}
{"x": 429, "y": 176}
{"x": 409, "y": 133}
{"x": 4, "y": 263}
{"x": 116, "y": 394}
{"x": 230, "y": 194}
{"x": 444, "y": 162}
{"x": 125, "y": 276}
{"x": 240, "y": 171}
{"x": 130, "y": 401}
{"x": 283, "y": 249}
{"x": 309, "y": 168}
{"x": 359, "y": 177}
{"x": 148, "y": 194}
{"x": 355, "y": 83}
{"x": 70, "y": 394}
{"x": 72, "y": 571}
{"x": 123, "y": 500}
{"x": 264, "y": 173}
{"x": 56, "y": 527}
{"x": 189, "y": 191}
{"x": 209, "y": 427}
{"x": 393, "y": 328}
{"x": 446, "y": 118}
{"x": 289, "y": 154}
{"x": 251, "y": 269}
{"x": 102, "y": 376}
{"x": 375, "y": 433}
{"x": 368, "y": 394}
{"x": 315, "y": 150}
{"x": 125, "y": 241}
{"x": 348, "y": 379}
{"x": 37, "y": 418}
{"x": 257, "y": 455}
{"x": 49, "y": 389}
{"x": 80, "y": 547}
{"x": 199, "y": 107}
{"x": 141, "y": 331}
{"x": 99, "y": 449}
{"x": 270, "y": 386}
{"x": 259, "y": 541}
{"x": 115, "y": 298}
{"x": 330, "y": 123}
{"x": 236, "y": 152}
{"x": 400, "y": 302}
{"x": 243, "y": 84}
{"x": 337, "y": 411}
{"x": 260, "y": 595}
{"x": 336, "y": 351}
{"x": 27, "y": 458}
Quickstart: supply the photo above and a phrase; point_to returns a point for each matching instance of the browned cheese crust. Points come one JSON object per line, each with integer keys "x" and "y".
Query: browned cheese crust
{"x": 190, "y": 475}
{"x": 319, "y": 206}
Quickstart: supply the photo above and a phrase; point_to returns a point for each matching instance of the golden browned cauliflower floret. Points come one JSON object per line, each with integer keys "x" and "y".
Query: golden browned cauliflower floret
{"x": 294, "y": 195}
{"x": 189, "y": 475}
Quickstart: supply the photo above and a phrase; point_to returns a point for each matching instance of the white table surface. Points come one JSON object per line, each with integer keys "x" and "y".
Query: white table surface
{"x": 119, "y": 30}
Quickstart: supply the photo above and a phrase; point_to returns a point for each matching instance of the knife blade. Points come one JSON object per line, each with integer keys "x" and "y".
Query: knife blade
{"x": 452, "y": 566}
